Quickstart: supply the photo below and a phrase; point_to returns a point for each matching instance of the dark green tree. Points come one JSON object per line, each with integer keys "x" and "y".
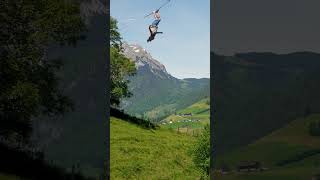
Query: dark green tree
{"x": 120, "y": 67}
{"x": 28, "y": 80}
{"x": 115, "y": 36}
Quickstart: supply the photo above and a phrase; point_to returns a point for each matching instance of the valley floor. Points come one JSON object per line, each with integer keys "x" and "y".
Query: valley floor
{"x": 289, "y": 153}
{"x": 190, "y": 120}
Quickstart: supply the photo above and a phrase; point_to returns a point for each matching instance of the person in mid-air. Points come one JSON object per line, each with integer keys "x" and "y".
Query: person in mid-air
{"x": 153, "y": 28}
{"x": 156, "y": 15}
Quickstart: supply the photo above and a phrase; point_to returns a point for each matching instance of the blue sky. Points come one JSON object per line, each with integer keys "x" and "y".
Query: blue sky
{"x": 184, "y": 48}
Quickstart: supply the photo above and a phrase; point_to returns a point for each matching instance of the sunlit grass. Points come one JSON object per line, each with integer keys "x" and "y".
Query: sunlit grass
{"x": 138, "y": 153}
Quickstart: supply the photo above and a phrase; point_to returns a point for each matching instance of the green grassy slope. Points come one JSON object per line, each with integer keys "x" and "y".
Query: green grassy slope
{"x": 138, "y": 153}
{"x": 8, "y": 177}
{"x": 200, "y": 116}
{"x": 258, "y": 93}
{"x": 282, "y": 145}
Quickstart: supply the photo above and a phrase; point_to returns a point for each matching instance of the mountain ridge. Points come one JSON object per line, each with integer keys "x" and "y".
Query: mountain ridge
{"x": 156, "y": 93}
{"x": 256, "y": 93}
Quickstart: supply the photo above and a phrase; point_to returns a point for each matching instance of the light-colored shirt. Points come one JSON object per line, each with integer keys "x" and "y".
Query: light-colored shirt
{"x": 157, "y": 15}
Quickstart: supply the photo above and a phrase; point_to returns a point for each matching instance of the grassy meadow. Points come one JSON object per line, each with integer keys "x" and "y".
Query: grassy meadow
{"x": 139, "y": 153}
{"x": 289, "y": 153}
{"x": 189, "y": 124}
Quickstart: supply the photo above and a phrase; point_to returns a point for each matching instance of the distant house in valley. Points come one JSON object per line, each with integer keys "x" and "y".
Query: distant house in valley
{"x": 185, "y": 114}
{"x": 249, "y": 166}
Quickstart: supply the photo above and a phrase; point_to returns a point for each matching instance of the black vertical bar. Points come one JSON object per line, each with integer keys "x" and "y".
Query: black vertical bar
{"x": 212, "y": 107}
{"x": 107, "y": 93}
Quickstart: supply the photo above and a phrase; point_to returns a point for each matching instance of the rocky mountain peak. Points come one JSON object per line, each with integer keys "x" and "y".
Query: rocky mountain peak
{"x": 143, "y": 59}
{"x": 91, "y": 8}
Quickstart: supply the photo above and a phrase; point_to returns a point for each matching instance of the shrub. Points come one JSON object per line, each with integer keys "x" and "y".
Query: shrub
{"x": 139, "y": 121}
{"x": 201, "y": 151}
{"x": 314, "y": 128}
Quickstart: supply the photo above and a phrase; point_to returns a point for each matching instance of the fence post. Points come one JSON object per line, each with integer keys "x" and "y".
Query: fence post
{"x": 72, "y": 172}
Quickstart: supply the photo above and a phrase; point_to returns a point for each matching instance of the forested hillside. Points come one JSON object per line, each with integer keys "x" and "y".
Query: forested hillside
{"x": 257, "y": 93}
{"x": 156, "y": 93}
